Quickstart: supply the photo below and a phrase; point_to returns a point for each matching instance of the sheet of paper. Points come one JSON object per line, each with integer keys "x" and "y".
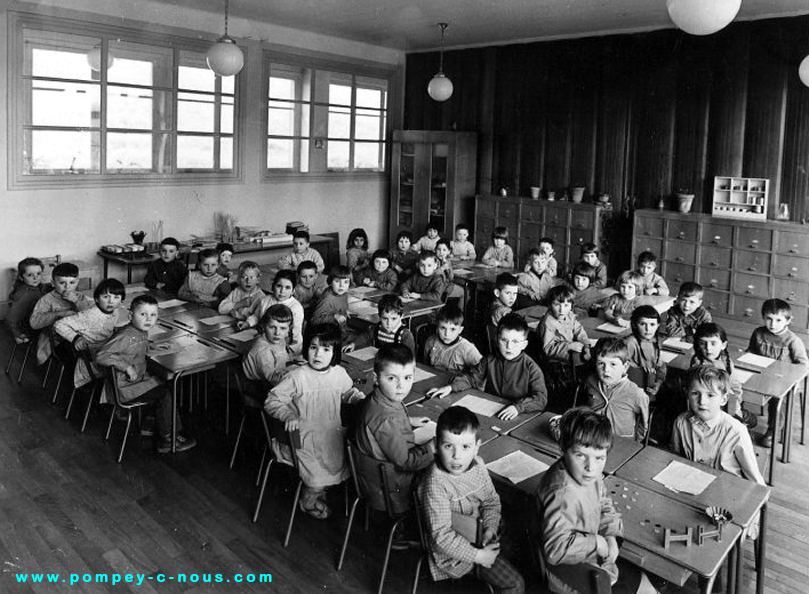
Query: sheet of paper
{"x": 756, "y": 360}
{"x": 352, "y": 299}
{"x": 592, "y": 342}
{"x": 664, "y": 305}
{"x": 517, "y": 466}
{"x": 668, "y": 356}
{"x": 170, "y": 303}
{"x": 243, "y": 336}
{"x": 424, "y": 433}
{"x": 157, "y": 330}
{"x": 533, "y": 324}
{"x": 422, "y": 374}
{"x": 480, "y": 406}
{"x": 682, "y": 478}
{"x": 462, "y": 272}
{"x": 742, "y": 375}
{"x": 365, "y": 354}
{"x": 216, "y": 320}
{"x": 677, "y": 344}
{"x": 612, "y": 328}
{"x": 363, "y": 290}
{"x": 408, "y": 299}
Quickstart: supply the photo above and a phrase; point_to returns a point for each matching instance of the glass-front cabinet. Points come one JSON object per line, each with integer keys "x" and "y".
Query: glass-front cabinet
{"x": 432, "y": 180}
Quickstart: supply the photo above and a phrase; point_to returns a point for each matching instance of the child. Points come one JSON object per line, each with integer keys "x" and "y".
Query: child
{"x": 618, "y": 308}
{"x": 380, "y": 275}
{"x": 332, "y": 306}
{"x": 389, "y": 330}
{"x": 777, "y": 341}
{"x": 425, "y": 283}
{"x": 402, "y": 257}
{"x": 643, "y": 350}
{"x": 711, "y": 349}
{"x": 447, "y": 350}
{"x": 546, "y": 247}
{"x": 240, "y": 301}
{"x": 63, "y": 301}
{"x": 444, "y": 256}
{"x": 428, "y": 241}
{"x": 587, "y": 299}
{"x": 560, "y": 332}
{"x": 28, "y": 289}
{"x": 609, "y": 392}
{"x": 384, "y": 431}
{"x": 91, "y": 328}
{"x": 204, "y": 285}
{"x": 500, "y": 254}
{"x": 126, "y": 351}
{"x": 308, "y": 400}
{"x": 167, "y": 273}
{"x": 653, "y": 283}
{"x": 537, "y": 281}
{"x": 589, "y": 254}
{"x": 506, "y": 288}
{"x": 462, "y": 248}
{"x": 459, "y": 485}
{"x": 309, "y": 285}
{"x": 282, "y": 287}
{"x": 300, "y": 253}
{"x": 687, "y": 312}
{"x": 357, "y": 258}
{"x": 225, "y": 251}
{"x": 508, "y": 373}
{"x": 267, "y": 359}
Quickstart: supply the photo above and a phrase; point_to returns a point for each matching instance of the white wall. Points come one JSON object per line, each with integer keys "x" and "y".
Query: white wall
{"x": 75, "y": 222}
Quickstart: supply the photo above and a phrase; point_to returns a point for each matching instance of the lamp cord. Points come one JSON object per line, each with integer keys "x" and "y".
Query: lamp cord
{"x": 441, "y": 51}
{"x": 227, "y": 4}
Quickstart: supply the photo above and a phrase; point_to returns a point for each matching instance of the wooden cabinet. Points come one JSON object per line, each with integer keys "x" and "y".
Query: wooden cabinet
{"x": 740, "y": 264}
{"x": 570, "y": 225}
{"x": 432, "y": 180}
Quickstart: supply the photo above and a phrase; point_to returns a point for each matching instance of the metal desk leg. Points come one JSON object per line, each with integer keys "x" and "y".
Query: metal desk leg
{"x": 762, "y": 549}
{"x": 734, "y": 566}
{"x": 775, "y": 435}
{"x": 128, "y": 274}
{"x": 788, "y": 417}
{"x": 803, "y": 407}
{"x": 176, "y": 383}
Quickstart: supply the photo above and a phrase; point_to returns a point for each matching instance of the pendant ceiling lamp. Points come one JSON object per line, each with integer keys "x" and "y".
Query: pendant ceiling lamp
{"x": 224, "y": 57}
{"x": 702, "y": 17}
{"x": 803, "y": 71}
{"x": 94, "y": 59}
{"x": 440, "y": 87}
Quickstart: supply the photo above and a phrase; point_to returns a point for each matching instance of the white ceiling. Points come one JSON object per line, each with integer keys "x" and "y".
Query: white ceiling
{"x": 412, "y": 24}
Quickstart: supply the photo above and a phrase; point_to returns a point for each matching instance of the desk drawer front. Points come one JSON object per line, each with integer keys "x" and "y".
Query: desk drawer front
{"x": 678, "y": 273}
{"x": 747, "y": 308}
{"x": 714, "y": 278}
{"x": 717, "y": 234}
{"x": 649, "y": 226}
{"x": 791, "y": 267}
{"x": 680, "y": 252}
{"x": 582, "y": 219}
{"x": 759, "y": 263}
{"x": 715, "y": 257}
{"x": 752, "y": 285}
{"x": 793, "y": 243}
{"x": 752, "y": 238}
{"x": 716, "y": 302}
{"x": 682, "y": 230}
{"x": 556, "y": 215}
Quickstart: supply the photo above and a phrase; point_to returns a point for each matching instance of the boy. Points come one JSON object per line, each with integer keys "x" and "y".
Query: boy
{"x": 282, "y": 287}
{"x": 389, "y": 330}
{"x": 425, "y": 283}
{"x": 204, "y": 285}
{"x": 126, "y": 351}
{"x": 777, "y": 341}
{"x": 428, "y": 241}
{"x": 546, "y": 247}
{"x": 618, "y": 308}
{"x": 384, "y": 431}
{"x": 537, "y": 280}
{"x": 506, "y": 288}
{"x": 63, "y": 301}
{"x": 589, "y": 255}
{"x": 648, "y": 370}
{"x": 332, "y": 306}
{"x": 462, "y": 248}
{"x": 687, "y": 312}
{"x": 586, "y": 297}
{"x": 559, "y": 331}
{"x": 447, "y": 350}
{"x": 309, "y": 285}
{"x": 380, "y": 275}
{"x": 459, "y": 485}
{"x": 225, "y": 251}
{"x": 610, "y": 393}
{"x": 509, "y": 373}
{"x": 168, "y": 272}
{"x": 652, "y": 283}
{"x": 240, "y": 301}
{"x": 92, "y": 327}
{"x": 266, "y": 361}
{"x": 402, "y": 257}
{"x": 300, "y": 253}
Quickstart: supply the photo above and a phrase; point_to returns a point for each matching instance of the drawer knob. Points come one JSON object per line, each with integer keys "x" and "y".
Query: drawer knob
{"x": 751, "y": 268}
{"x": 678, "y": 259}
{"x": 681, "y": 235}
{"x": 748, "y": 313}
{"x": 717, "y": 238}
{"x": 710, "y": 306}
{"x": 793, "y": 251}
{"x": 754, "y": 244}
{"x": 751, "y": 288}
{"x": 714, "y": 282}
{"x": 791, "y": 296}
{"x": 715, "y": 264}
{"x": 679, "y": 279}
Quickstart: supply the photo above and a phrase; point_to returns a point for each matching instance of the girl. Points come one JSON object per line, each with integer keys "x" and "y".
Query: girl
{"x": 357, "y": 258}
{"x": 711, "y": 349}
{"x": 283, "y": 285}
{"x": 380, "y": 275}
{"x": 308, "y": 400}
{"x": 500, "y": 254}
{"x": 28, "y": 288}
{"x": 618, "y": 308}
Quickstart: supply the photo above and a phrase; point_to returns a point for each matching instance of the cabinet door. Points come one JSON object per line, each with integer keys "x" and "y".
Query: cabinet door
{"x": 791, "y": 267}
{"x": 438, "y": 205}
{"x": 486, "y": 207}
{"x": 753, "y": 238}
{"x": 403, "y": 190}
{"x": 793, "y": 292}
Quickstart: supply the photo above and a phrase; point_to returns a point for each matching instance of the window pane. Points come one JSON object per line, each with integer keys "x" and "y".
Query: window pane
{"x": 281, "y": 118}
{"x": 280, "y": 153}
{"x": 339, "y": 94}
{"x": 138, "y": 109}
{"x": 136, "y": 152}
{"x": 226, "y": 153}
{"x": 369, "y": 97}
{"x": 57, "y": 151}
{"x": 194, "y": 152}
{"x": 138, "y": 64}
{"x": 56, "y": 103}
{"x": 194, "y": 74}
{"x": 229, "y": 85}
{"x": 227, "y": 115}
{"x": 282, "y": 88}
{"x": 58, "y": 55}
{"x": 339, "y": 122}
{"x": 367, "y": 125}
{"x": 367, "y": 155}
{"x": 195, "y": 113}
{"x": 337, "y": 155}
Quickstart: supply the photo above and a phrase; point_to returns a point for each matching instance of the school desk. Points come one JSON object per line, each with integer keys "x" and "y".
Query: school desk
{"x": 128, "y": 261}
{"x": 743, "y": 498}
{"x": 504, "y": 445}
{"x": 361, "y": 370}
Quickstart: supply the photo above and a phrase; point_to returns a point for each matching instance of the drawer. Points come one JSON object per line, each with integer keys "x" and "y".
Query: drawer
{"x": 564, "y": 254}
{"x": 648, "y": 226}
{"x": 682, "y": 230}
{"x": 532, "y": 213}
{"x": 486, "y": 208}
{"x": 680, "y": 252}
{"x": 759, "y": 263}
{"x": 714, "y": 278}
{"x": 791, "y": 242}
{"x": 513, "y": 226}
{"x": 579, "y": 237}
{"x": 748, "y": 309}
{"x": 558, "y": 234}
{"x": 717, "y": 234}
{"x": 752, "y": 285}
{"x": 678, "y": 274}
{"x": 508, "y": 210}
{"x": 792, "y": 291}
{"x": 529, "y": 236}
{"x": 647, "y": 244}
{"x": 800, "y": 318}
{"x": 582, "y": 219}
{"x": 715, "y": 257}
{"x": 753, "y": 238}
{"x": 556, "y": 215}
{"x": 791, "y": 267}
{"x": 716, "y": 302}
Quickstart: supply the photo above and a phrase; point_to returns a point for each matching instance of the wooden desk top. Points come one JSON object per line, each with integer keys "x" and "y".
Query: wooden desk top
{"x": 504, "y": 445}
{"x": 189, "y": 354}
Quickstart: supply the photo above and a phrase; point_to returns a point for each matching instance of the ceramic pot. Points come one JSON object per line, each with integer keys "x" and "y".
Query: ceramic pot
{"x": 577, "y": 193}
{"x": 684, "y": 202}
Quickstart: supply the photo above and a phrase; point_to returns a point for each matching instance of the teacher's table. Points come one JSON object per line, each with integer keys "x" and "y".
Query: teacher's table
{"x": 128, "y": 261}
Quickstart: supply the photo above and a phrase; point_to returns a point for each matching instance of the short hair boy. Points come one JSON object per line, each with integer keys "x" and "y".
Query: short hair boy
{"x": 587, "y": 299}
{"x": 546, "y": 246}
{"x": 283, "y": 286}
{"x": 447, "y": 349}
{"x": 647, "y": 368}
{"x": 589, "y": 254}
{"x": 425, "y": 283}
{"x": 384, "y": 431}
{"x": 168, "y": 272}
{"x": 687, "y": 312}
{"x": 268, "y": 357}
{"x": 462, "y": 248}
{"x": 390, "y": 329}
{"x": 653, "y": 283}
{"x": 225, "y": 251}
{"x": 308, "y": 285}
{"x": 508, "y": 373}
{"x": 559, "y": 330}
{"x": 777, "y": 341}
{"x": 205, "y": 285}
{"x": 458, "y": 484}
{"x": 301, "y": 251}
{"x": 537, "y": 280}
{"x": 240, "y": 301}
{"x": 506, "y": 288}
{"x": 380, "y": 274}
{"x": 609, "y": 392}
{"x": 332, "y": 305}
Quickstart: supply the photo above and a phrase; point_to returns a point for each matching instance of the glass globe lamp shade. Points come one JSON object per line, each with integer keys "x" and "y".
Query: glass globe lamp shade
{"x": 225, "y": 58}
{"x": 94, "y": 59}
{"x": 702, "y": 17}
{"x": 803, "y": 71}
{"x": 440, "y": 87}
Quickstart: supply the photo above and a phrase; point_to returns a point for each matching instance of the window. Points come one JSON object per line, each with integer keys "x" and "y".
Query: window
{"x": 321, "y": 119}
{"x": 117, "y": 104}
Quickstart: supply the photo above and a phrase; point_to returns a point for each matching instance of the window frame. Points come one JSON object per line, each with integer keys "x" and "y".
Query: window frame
{"x": 18, "y": 21}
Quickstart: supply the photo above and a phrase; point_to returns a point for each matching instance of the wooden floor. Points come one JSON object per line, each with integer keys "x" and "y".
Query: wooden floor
{"x": 66, "y": 506}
